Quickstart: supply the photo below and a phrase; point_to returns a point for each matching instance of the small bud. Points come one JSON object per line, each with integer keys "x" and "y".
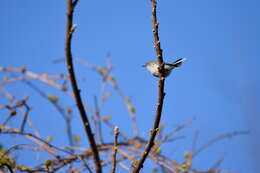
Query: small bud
{"x": 138, "y": 144}
{"x": 131, "y": 108}
{"x": 53, "y": 98}
{"x": 47, "y": 163}
{"x": 76, "y": 139}
{"x": 64, "y": 88}
{"x": 116, "y": 130}
{"x": 13, "y": 112}
{"x": 187, "y": 155}
{"x": 157, "y": 150}
{"x": 25, "y": 168}
{"x": 8, "y": 106}
{"x": 107, "y": 118}
{"x": 69, "y": 110}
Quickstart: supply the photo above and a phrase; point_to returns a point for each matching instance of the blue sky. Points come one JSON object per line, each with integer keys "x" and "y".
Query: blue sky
{"x": 218, "y": 84}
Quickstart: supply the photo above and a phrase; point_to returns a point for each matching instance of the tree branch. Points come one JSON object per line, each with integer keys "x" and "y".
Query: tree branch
{"x": 116, "y": 133}
{"x": 69, "y": 31}
{"x": 161, "y": 93}
{"x": 219, "y": 138}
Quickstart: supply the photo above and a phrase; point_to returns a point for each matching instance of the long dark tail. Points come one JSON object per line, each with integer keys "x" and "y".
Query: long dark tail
{"x": 178, "y": 63}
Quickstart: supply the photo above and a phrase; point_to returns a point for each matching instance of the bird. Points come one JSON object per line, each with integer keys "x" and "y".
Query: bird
{"x": 153, "y": 67}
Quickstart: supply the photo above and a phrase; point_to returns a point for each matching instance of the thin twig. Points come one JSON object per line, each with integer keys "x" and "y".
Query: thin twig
{"x": 42, "y": 143}
{"x": 4, "y": 92}
{"x": 104, "y": 72}
{"x": 85, "y": 164}
{"x": 98, "y": 121}
{"x": 159, "y": 159}
{"x": 31, "y": 75}
{"x": 106, "y": 76}
{"x": 12, "y": 100}
{"x": 69, "y": 31}
{"x": 161, "y": 93}
{"x": 166, "y": 137}
{"x": 216, "y": 166}
{"x": 217, "y": 139}
{"x": 59, "y": 108}
{"x": 25, "y": 118}
{"x": 15, "y": 147}
{"x": 116, "y": 133}
{"x": 194, "y": 142}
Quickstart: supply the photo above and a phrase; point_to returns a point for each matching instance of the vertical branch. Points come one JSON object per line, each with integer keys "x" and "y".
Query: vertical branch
{"x": 25, "y": 116}
{"x": 97, "y": 121}
{"x": 157, "y": 45}
{"x": 69, "y": 31}
{"x": 68, "y": 128}
{"x": 116, "y": 134}
{"x": 161, "y": 93}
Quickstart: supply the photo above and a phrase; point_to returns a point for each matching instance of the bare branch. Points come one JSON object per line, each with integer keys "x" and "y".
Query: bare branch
{"x": 42, "y": 143}
{"x": 25, "y": 118}
{"x": 98, "y": 121}
{"x": 161, "y": 93}
{"x": 104, "y": 72}
{"x": 70, "y": 8}
{"x": 166, "y": 137}
{"x": 66, "y": 117}
{"x": 50, "y": 80}
{"x": 116, "y": 133}
{"x": 217, "y": 139}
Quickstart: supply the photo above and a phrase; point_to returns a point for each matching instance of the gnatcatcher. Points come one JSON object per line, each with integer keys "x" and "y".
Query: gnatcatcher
{"x": 152, "y": 67}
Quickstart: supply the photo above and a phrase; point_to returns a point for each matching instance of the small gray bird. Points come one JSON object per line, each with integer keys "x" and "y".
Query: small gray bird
{"x": 152, "y": 67}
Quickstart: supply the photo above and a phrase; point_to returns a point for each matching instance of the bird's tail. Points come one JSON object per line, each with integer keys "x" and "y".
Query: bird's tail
{"x": 178, "y": 63}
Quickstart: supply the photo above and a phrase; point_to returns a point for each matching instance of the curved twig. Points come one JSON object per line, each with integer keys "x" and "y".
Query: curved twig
{"x": 37, "y": 140}
{"x": 69, "y": 31}
{"x": 219, "y": 138}
{"x": 31, "y": 75}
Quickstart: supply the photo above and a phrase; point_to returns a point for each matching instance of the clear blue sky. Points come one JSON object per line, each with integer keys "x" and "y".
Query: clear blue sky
{"x": 218, "y": 84}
